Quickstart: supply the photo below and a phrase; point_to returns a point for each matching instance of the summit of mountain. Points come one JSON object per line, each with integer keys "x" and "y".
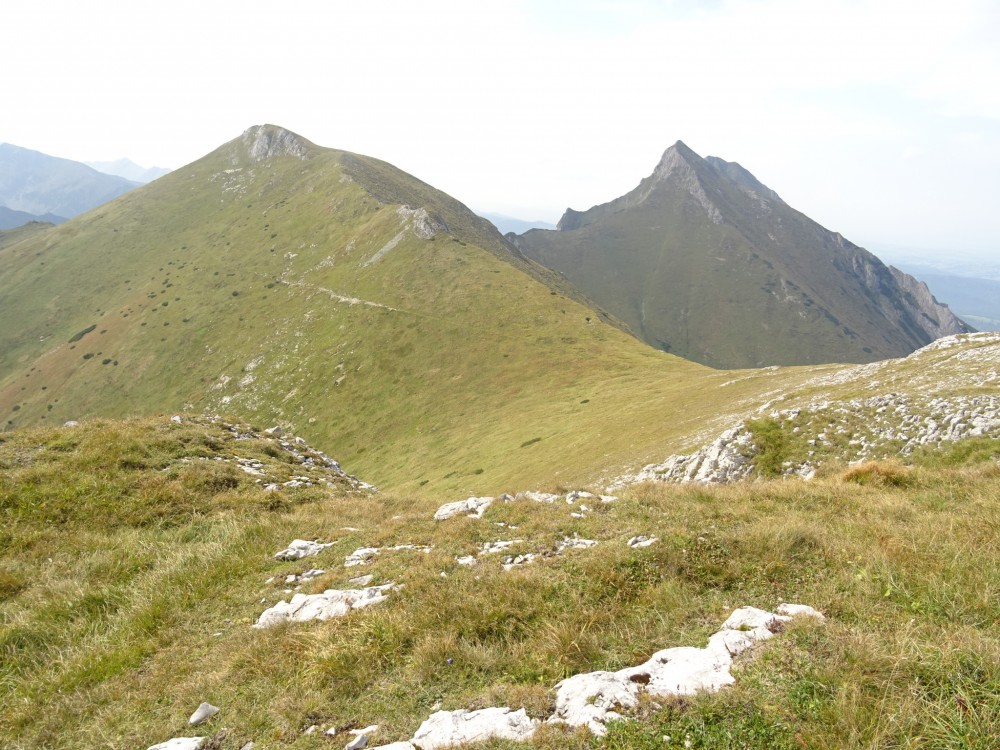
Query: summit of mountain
{"x": 703, "y": 260}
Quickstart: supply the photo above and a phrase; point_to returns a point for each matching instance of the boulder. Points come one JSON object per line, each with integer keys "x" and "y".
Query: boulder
{"x": 594, "y": 698}
{"x": 300, "y": 548}
{"x": 180, "y": 743}
{"x": 448, "y": 728}
{"x": 203, "y": 713}
{"x": 361, "y": 556}
{"x": 474, "y": 507}
{"x": 331, "y": 603}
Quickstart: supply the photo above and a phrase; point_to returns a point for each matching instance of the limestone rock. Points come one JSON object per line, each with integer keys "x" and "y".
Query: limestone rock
{"x": 574, "y": 542}
{"x": 300, "y": 548}
{"x": 539, "y": 497}
{"x": 593, "y": 698}
{"x": 447, "y": 728}
{"x": 361, "y": 556}
{"x": 331, "y": 603}
{"x": 180, "y": 743}
{"x": 204, "y": 712}
{"x": 488, "y": 548}
{"x": 403, "y": 745}
{"x": 474, "y": 507}
{"x": 640, "y": 541}
{"x": 793, "y": 610}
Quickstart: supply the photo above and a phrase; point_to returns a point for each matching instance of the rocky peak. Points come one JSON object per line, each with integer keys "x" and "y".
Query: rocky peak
{"x": 681, "y": 167}
{"x": 265, "y": 141}
{"x": 677, "y": 157}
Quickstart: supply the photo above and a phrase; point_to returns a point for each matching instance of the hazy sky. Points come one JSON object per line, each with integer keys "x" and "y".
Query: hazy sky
{"x": 880, "y": 119}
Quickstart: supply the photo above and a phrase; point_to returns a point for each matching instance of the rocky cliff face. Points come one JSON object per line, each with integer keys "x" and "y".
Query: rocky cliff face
{"x": 703, "y": 260}
{"x": 264, "y": 142}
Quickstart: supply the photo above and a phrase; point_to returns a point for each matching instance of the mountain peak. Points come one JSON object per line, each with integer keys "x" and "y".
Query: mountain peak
{"x": 265, "y": 141}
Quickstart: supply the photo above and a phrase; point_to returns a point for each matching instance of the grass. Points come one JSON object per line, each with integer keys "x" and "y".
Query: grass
{"x": 130, "y": 578}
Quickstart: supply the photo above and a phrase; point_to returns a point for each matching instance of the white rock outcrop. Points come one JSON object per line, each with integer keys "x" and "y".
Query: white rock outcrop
{"x": 474, "y": 507}
{"x": 180, "y": 743}
{"x": 594, "y": 698}
{"x": 300, "y": 548}
{"x": 331, "y": 603}
{"x": 448, "y": 728}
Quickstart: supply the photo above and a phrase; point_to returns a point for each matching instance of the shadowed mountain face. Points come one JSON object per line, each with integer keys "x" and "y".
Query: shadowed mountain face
{"x": 704, "y": 261}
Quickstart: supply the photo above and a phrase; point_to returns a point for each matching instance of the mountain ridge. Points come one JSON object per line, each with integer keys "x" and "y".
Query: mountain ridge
{"x": 703, "y": 260}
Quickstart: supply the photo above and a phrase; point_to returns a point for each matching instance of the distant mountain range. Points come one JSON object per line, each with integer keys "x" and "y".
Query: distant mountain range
{"x": 129, "y": 170}
{"x": 704, "y": 261}
{"x": 508, "y": 224}
{"x": 9, "y": 218}
{"x": 39, "y": 184}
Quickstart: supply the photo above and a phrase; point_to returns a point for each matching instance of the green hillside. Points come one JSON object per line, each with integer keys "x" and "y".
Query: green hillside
{"x": 703, "y": 261}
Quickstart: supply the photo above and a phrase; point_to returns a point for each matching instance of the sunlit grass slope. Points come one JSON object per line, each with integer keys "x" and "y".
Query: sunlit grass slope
{"x": 135, "y": 555}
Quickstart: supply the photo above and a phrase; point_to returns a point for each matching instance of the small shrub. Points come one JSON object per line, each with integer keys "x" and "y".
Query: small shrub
{"x": 772, "y": 446}
{"x": 76, "y": 337}
{"x": 879, "y": 474}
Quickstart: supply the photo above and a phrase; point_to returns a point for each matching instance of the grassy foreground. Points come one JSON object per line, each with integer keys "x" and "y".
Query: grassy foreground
{"x": 131, "y": 569}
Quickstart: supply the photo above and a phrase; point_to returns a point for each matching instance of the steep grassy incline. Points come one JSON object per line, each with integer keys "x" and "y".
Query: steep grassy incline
{"x": 703, "y": 261}
{"x": 333, "y": 294}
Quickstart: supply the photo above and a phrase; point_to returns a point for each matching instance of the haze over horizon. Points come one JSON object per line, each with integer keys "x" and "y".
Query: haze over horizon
{"x": 881, "y": 120}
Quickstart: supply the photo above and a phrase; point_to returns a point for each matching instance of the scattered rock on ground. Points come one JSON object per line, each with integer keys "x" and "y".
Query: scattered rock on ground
{"x": 594, "y": 698}
{"x": 361, "y": 556}
{"x": 638, "y": 542}
{"x": 331, "y": 603}
{"x": 474, "y": 507}
{"x": 300, "y": 548}
{"x": 204, "y": 712}
{"x": 180, "y": 743}
{"x": 574, "y": 542}
{"x": 447, "y": 728}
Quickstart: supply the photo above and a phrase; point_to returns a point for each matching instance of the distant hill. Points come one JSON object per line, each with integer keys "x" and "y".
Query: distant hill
{"x": 10, "y": 218}
{"x": 39, "y": 184}
{"x": 129, "y": 170}
{"x": 704, "y": 261}
{"x": 508, "y": 224}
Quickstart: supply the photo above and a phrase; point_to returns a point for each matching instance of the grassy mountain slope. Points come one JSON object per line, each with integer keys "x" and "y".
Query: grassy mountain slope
{"x": 283, "y": 282}
{"x": 703, "y": 261}
{"x": 135, "y": 555}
